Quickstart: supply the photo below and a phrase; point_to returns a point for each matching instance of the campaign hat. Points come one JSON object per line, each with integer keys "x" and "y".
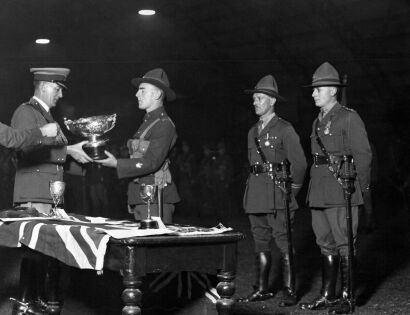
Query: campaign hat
{"x": 267, "y": 85}
{"x": 325, "y": 75}
{"x": 55, "y": 75}
{"x": 159, "y": 78}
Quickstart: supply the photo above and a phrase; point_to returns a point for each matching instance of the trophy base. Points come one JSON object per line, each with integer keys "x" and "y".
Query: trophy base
{"x": 96, "y": 152}
{"x": 149, "y": 224}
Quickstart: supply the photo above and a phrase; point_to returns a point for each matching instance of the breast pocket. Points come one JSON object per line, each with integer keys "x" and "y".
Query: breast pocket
{"x": 273, "y": 148}
{"x": 333, "y": 141}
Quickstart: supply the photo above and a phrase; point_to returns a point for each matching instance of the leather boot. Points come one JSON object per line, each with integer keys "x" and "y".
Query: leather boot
{"x": 261, "y": 289}
{"x": 26, "y": 303}
{"x": 288, "y": 293}
{"x": 330, "y": 266}
{"x": 346, "y": 303}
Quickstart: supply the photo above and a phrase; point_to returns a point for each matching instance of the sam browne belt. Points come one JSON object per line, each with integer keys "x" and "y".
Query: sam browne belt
{"x": 263, "y": 168}
{"x": 325, "y": 160}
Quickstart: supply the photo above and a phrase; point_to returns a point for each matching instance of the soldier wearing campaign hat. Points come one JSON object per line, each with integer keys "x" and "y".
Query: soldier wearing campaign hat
{"x": 37, "y": 166}
{"x": 337, "y": 131}
{"x": 271, "y": 141}
{"x": 150, "y": 147}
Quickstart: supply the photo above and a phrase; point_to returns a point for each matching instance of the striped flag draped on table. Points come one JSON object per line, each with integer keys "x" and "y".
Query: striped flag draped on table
{"x": 75, "y": 244}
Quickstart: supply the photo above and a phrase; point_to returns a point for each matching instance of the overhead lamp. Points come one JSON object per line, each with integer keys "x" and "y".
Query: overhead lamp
{"x": 42, "y": 41}
{"x": 146, "y": 12}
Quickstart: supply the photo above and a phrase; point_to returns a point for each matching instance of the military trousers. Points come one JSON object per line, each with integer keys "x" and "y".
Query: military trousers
{"x": 330, "y": 228}
{"x": 268, "y": 226}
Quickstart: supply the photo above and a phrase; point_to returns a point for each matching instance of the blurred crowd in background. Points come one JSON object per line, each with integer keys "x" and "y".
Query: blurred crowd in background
{"x": 210, "y": 182}
{"x": 211, "y": 177}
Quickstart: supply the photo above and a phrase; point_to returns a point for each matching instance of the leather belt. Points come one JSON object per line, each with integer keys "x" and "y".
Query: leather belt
{"x": 263, "y": 168}
{"x": 324, "y": 160}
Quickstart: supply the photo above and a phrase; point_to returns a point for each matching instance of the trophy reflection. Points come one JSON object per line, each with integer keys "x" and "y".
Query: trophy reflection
{"x": 57, "y": 189}
{"x": 148, "y": 194}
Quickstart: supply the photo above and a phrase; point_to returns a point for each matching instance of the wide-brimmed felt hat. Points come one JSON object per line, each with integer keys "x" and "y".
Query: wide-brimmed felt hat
{"x": 267, "y": 85}
{"x": 159, "y": 78}
{"x": 325, "y": 75}
{"x": 55, "y": 75}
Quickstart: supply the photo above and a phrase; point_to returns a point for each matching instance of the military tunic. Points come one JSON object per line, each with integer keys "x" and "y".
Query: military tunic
{"x": 278, "y": 141}
{"x": 17, "y": 139}
{"x": 342, "y": 132}
{"x": 263, "y": 199}
{"x": 162, "y": 137}
{"x": 37, "y": 166}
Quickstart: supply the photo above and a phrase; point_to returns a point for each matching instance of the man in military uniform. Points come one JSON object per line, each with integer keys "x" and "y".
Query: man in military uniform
{"x": 337, "y": 131}
{"x": 270, "y": 142}
{"x": 37, "y": 166}
{"x": 18, "y": 139}
{"x": 150, "y": 147}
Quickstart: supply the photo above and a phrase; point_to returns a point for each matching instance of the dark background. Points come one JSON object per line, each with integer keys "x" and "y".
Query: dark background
{"x": 212, "y": 51}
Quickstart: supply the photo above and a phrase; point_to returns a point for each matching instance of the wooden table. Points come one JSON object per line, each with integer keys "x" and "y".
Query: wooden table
{"x": 136, "y": 257}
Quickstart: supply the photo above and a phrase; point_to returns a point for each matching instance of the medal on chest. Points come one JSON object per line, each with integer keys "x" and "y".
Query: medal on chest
{"x": 327, "y": 128}
{"x": 267, "y": 142}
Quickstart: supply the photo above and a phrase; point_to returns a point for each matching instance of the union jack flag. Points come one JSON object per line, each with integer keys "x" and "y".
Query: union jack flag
{"x": 76, "y": 244}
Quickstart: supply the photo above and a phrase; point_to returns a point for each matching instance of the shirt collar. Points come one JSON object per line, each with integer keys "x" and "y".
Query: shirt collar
{"x": 266, "y": 119}
{"x": 42, "y": 103}
{"x": 155, "y": 113}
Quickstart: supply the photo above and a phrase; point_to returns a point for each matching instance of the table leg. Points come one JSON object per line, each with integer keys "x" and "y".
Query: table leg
{"x": 52, "y": 285}
{"x": 225, "y": 289}
{"x": 131, "y": 296}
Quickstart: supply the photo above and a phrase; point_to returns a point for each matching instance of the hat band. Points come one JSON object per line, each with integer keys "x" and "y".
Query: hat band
{"x": 327, "y": 80}
{"x": 49, "y": 77}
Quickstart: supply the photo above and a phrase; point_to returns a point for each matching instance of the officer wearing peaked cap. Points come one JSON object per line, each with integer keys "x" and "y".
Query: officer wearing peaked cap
{"x": 271, "y": 141}
{"x": 17, "y": 139}
{"x": 150, "y": 147}
{"x": 36, "y": 167}
{"x": 337, "y": 131}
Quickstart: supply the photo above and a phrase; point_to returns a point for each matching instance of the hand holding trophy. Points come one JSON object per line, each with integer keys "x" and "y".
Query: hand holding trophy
{"x": 148, "y": 194}
{"x": 57, "y": 189}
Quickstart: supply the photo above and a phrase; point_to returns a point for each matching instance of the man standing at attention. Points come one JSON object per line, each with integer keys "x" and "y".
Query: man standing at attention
{"x": 338, "y": 131}
{"x": 270, "y": 142}
{"x": 150, "y": 147}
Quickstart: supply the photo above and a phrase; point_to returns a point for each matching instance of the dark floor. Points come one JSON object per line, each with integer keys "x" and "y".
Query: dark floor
{"x": 383, "y": 275}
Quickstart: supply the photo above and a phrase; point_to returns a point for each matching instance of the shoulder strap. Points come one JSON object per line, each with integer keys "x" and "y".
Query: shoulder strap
{"x": 259, "y": 150}
{"x": 149, "y": 128}
{"x": 319, "y": 141}
{"x": 37, "y": 107}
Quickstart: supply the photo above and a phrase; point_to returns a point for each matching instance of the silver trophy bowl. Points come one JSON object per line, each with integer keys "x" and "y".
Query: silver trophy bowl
{"x": 92, "y": 128}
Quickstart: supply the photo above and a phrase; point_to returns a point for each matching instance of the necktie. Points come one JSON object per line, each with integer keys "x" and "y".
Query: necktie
{"x": 260, "y": 126}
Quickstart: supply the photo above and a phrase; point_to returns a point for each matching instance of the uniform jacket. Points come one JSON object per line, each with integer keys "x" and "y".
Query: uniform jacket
{"x": 278, "y": 141}
{"x": 343, "y": 133}
{"x": 37, "y": 166}
{"x": 17, "y": 139}
{"x": 162, "y": 137}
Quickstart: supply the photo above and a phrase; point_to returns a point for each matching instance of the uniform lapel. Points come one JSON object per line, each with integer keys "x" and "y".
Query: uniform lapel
{"x": 270, "y": 124}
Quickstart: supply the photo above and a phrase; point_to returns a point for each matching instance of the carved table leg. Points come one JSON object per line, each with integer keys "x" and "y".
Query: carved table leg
{"x": 52, "y": 286}
{"x": 131, "y": 296}
{"x": 225, "y": 289}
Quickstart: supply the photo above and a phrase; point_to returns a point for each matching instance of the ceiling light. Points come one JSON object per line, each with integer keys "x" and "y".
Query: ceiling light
{"x": 146, "y": 12}
{"x": 42, "y": 41}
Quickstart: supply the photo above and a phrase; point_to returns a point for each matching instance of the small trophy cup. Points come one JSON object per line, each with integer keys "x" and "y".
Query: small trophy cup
{"x": 148, "y": 194}
{"x": 57, "y": 189}
{"x": 93, "y": 128}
